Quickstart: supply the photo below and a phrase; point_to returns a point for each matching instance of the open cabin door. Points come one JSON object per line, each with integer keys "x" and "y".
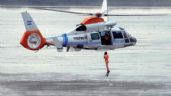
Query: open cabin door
{"x": 106, "y": 38}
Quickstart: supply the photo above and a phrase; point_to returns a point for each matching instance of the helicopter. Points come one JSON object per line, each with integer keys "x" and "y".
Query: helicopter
{"x": 95, "y": 32}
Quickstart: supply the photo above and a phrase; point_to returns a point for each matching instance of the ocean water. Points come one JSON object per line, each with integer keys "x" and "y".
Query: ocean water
{"x": 141, "y": 70}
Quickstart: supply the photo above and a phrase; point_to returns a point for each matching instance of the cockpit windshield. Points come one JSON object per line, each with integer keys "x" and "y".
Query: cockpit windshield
{"x": 81, "y": 27}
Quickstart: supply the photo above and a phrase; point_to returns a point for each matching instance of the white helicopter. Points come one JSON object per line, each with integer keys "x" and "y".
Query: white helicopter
{"x": 93, "y": 33}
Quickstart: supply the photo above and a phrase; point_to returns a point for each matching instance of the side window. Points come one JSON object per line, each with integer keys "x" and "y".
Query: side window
{"x": 95, "y": 36}
{"x": 117, "y": 35}
{"x": 81, "y": 28}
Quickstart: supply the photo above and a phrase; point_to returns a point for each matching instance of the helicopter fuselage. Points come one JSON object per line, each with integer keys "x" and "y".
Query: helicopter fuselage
{"x": 105, "y": 36}
{"x": 92, "y": 34}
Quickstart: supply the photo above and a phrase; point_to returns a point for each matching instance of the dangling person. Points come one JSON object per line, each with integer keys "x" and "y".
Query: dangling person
{"x": 106, "y": 58}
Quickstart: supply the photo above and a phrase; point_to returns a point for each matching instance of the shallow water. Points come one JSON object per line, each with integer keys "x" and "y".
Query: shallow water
{"x": 140, "y": 70}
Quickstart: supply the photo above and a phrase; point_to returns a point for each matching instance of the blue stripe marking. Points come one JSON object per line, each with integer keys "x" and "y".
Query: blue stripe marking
{"x": 29, "y": 22}
{"x": 65, "y": 40}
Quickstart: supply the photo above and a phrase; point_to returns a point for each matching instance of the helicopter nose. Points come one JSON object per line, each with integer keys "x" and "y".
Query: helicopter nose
{"x": 133, "y": 40}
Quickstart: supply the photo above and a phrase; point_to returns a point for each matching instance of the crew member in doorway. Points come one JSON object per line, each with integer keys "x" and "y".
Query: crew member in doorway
{"x": 106, "y": 58}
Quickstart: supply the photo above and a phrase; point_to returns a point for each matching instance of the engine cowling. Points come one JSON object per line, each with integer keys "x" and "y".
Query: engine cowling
{"x": 33, "y": 40}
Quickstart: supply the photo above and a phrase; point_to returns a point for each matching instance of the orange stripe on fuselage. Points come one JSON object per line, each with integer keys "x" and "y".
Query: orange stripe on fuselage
{"x": 92, "y": 20}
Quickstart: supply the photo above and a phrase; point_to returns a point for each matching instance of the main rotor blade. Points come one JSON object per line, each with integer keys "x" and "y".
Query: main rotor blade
{"x": 72, "y": 12}
{"x": 82, "y": 13}
{"x": 135, "y": 14}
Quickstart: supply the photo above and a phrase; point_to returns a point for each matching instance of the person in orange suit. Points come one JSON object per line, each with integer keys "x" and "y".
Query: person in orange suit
{"x": 106, "y": 58}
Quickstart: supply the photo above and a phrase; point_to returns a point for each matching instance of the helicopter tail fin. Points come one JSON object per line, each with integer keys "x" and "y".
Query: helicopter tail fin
{"x": 32, "y": 39}
{"x": 28, "y": 22}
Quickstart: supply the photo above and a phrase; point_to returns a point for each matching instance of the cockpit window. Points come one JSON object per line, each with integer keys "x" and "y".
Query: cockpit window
{"x": 95, "y": 36}
{"x": 81, "y": 28}
{"x": 117, "y": 35}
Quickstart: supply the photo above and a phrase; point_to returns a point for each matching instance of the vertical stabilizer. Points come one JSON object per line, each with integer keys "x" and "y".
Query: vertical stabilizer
{"x": 28, "y": 22}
